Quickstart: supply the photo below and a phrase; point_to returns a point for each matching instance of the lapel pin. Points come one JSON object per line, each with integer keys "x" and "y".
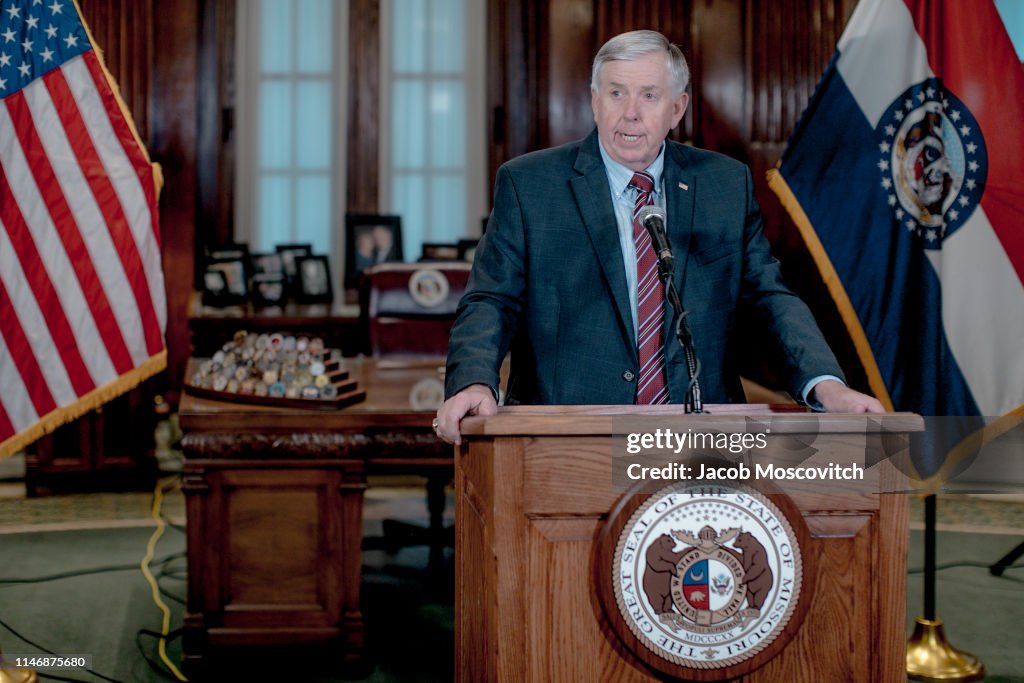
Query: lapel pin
{"x": 684, "y": 186}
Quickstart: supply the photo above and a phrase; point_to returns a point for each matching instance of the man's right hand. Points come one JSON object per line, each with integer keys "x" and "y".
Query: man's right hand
{"x": 476, "y": 399}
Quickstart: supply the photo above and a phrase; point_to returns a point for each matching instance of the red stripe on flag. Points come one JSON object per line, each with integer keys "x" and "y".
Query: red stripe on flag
{"x": 44, "y": 292}
{"x": 124, "y": 134}
{"x": 968, "y": 48}
{"x": 24, "y": 360}
{"x": 71, "y": 237}
{"x": 109, "y": 203}
{"x": 6, "y": 426}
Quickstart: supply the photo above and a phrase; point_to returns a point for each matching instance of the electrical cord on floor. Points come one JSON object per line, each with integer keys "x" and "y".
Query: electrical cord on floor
{"x": 158, "y": 496}
{"x": 155, "y": 665}
{"x": 86, "y": 572}
{"x": 965, "y": 563}
{"x": 51, "y": 652}
{"x": 55, "y": 677}
{"x": 176, "y": 575}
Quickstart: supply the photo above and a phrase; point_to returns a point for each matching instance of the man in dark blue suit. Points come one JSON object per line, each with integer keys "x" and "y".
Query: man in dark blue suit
{"x": 555, "y": 277}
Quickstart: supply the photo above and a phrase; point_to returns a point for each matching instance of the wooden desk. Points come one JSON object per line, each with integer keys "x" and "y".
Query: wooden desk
{"x": 274, "y": 507}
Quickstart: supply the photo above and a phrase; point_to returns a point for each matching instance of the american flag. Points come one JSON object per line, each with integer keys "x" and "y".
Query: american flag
{"x": 82, "y": 304}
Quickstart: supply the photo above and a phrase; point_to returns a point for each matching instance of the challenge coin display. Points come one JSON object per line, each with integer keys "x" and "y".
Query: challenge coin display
{"x": 276, "y": 369}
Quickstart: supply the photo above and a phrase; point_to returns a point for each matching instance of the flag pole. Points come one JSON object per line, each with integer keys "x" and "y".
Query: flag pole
{"x": 930, "y": 657}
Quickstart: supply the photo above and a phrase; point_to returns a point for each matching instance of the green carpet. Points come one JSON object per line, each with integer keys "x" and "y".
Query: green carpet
{"x": 97, "y": 614}
{"x": 409, "y": 620}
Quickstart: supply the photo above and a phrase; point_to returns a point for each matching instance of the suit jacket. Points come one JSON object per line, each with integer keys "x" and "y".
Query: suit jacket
{"x": 549, "y": 284}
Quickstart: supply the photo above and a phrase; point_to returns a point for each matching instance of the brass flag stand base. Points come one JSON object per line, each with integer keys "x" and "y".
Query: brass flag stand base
{"x": 18, "y": 676}
{"x": 930, "y": 657}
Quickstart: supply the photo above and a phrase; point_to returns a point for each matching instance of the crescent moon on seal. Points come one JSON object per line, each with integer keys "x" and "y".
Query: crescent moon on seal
{"x": 697, "y": 577}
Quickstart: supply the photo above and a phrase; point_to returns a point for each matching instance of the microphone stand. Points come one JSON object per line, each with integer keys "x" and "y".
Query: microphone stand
{"x": 693, "y": 401}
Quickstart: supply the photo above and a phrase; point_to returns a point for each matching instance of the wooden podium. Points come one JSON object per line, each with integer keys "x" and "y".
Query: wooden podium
{"x": 534, "y": 494}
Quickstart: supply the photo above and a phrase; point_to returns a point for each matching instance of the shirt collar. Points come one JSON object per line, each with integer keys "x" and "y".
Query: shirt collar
{"x": 620, "y": 177}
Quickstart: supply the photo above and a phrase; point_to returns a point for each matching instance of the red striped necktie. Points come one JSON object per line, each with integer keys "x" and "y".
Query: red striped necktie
{"x": 651, "y": 387}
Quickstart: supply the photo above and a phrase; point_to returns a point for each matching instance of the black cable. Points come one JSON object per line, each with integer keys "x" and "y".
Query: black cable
{"x": 173, "y": 596}
{"x": 85, "y": 572}
{"x": 172, "y": 525}
{"x": 55, "y": 677}
{"x": 965, "y": 563}
{"x": 155, "y": 665}
{"x": 51, "y": 652}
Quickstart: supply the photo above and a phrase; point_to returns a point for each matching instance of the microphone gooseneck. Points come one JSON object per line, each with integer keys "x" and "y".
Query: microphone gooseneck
{"x": 652, "y": 218}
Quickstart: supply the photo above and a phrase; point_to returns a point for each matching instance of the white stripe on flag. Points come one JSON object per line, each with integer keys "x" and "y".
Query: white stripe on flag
{"x": 879, "y": 64}
{"x": 126, "y": 183}
{"x": 14, "y": 397}
{"x": 54, "y": 261}
{"x": 93, "y": 227}
{"x": 26, "y": 312}
{"x": 983, "y": 313}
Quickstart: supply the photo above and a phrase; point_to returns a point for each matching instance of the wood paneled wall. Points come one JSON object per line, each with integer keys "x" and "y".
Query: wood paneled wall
{"x": 753, "y": 65}
{"x": 124, "y": 31}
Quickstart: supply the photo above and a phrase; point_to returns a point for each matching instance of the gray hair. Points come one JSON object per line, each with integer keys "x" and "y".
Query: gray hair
{"x": 636, "y": 44}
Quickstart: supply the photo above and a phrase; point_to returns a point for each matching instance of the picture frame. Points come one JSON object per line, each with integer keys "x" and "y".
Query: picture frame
{"x": 370, "y": 239}
{"x": 224, "y": 284}
{"x": 269, "y": 290}
{"x": 313, "y": 280}
{"x": 437, "y": 251}
{"x": 270, "y": 263}
{"x": 289, "y": 253}
{"x": 230, "y": 251}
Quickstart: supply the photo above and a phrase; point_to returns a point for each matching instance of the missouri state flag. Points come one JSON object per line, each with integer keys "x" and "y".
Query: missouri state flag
{"x": 905, "y": 176}
{"x": 82, "y": 307}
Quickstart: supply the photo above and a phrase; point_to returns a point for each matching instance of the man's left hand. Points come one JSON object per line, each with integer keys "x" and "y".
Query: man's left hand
{"x": 836, "y": 397}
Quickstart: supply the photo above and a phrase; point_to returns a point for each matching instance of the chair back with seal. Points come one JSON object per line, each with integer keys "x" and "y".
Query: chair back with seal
{"x": 410, "y": 307}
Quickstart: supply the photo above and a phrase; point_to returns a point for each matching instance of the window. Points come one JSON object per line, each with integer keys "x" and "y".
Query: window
{"x": 433, "y": 147}
{"x": 291, "y": 73}
{"x": 290, "y": 184}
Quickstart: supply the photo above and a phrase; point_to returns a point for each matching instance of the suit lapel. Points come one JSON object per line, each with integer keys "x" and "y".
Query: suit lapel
{"x": 680, "y": 193}
{"x": 593, "y": 197}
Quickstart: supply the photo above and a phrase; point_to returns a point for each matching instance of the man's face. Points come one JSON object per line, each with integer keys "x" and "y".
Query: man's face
{"x": 634, "y": 109}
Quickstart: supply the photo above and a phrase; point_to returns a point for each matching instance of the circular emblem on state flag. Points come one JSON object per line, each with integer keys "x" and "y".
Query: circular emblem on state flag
{"x": 933, "y": 161}
{"x": 703, "y": 582}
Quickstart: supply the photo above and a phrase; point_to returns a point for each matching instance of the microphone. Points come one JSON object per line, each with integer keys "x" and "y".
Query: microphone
{"x": 653, "y": 219}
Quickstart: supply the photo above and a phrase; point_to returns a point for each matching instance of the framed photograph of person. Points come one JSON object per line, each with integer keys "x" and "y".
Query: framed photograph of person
{"x": 370, "y": 239}
{"x": 268, "y": 290}
{"x": 224, "y": 284}
{"x": 267, "y": 264}
{"x": 289, "y": 253}
{"x": 313, "y": 280}
{"x": 467, "y": 250}
{"x": 434, "y": 251}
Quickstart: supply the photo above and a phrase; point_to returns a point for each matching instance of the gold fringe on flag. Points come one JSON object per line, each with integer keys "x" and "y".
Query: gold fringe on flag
{"x": 94, "y": 399}
{"x": 835, "y": 286}
{"x": 158, "y": 175}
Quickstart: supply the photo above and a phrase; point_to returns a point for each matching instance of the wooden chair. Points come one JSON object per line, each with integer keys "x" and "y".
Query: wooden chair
{"x": 409, "y": 309}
